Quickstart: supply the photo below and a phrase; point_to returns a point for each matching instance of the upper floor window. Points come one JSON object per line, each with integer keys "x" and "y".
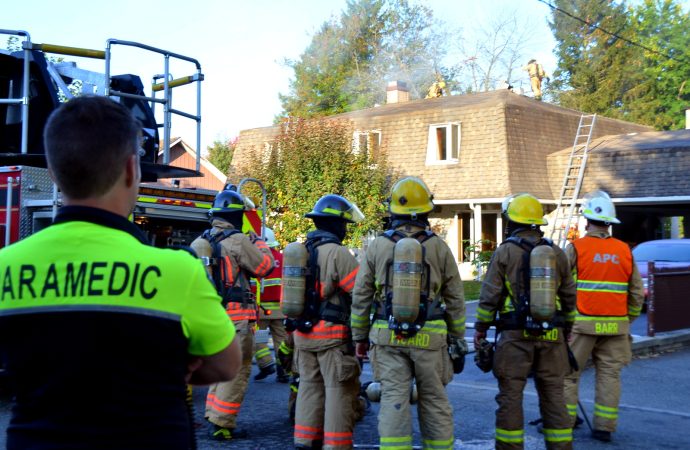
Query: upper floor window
{"x": 444, "y": 143}
{"x": 367, "y": 143}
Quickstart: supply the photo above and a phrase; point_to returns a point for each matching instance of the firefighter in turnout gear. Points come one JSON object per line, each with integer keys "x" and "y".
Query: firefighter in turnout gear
{"x": 527, "y": 344}
{"x": 270, "y": 315}
{"x": 232, "y": 258}
{"x": 610, "y": 294}
{"x": 324, "y": 354}
{"x": 413, "y": 349}
{"x": 536, "y": 74}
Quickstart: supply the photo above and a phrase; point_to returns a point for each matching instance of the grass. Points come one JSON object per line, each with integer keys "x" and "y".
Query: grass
{"x": 472, "y": 289}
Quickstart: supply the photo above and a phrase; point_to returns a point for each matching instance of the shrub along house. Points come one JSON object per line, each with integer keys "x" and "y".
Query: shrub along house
{"x": 474, "y": 150}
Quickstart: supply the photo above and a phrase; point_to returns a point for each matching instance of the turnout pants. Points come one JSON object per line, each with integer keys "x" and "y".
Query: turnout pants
{"x": 609, "y": 355}
{"x": 224, "y": 399}
{"x": 326, "y": 394}
{"x": 515, "y": 358}
{"x": 396, "y": 368}
{"x": 262, "y": 354}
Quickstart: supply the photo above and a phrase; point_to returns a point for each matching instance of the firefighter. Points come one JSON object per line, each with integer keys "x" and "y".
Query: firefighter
{"x": 324, "y": 354}
{"x": 270, "y": 315}
{"x": 436, "y": 89}
{"x": 233, "y": 258}
{"x": 536, "y": 74}
{"x": 399, "y": 355}
{"x": 527, "y": 344}
{"x": 609, "y": 297}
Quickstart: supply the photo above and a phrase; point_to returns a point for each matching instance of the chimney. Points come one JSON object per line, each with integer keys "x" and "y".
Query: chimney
{"x": 397, "y": 92}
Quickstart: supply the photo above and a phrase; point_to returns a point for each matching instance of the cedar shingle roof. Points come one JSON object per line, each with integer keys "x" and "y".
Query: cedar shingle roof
{"x": 505, "y": 141}
{"x": 639, "y": 165}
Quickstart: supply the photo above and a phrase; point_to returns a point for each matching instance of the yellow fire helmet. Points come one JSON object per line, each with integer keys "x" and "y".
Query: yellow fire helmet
{"x": 410, "y": 196}
{"x": 524, "y": 208}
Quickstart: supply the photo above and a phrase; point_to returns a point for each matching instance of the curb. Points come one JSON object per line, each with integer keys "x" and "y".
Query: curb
{"x": 662, "y": 342}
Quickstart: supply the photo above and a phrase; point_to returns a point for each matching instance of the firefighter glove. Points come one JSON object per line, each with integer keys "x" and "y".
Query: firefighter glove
{"x": 484, "y": 355}
{"x": 457, "y": 349}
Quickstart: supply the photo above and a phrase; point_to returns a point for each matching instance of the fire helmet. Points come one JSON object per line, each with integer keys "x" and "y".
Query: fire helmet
{"x": 599, "y": 207}
{"x": 227, "y": 202}
{"x": 523, "y": 208}
{"x": 270, "y": 238}
{"x": 410, "y": 196}
{"x": 336, "y": 206}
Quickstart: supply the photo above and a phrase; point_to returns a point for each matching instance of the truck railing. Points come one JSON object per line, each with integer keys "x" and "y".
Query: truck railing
{"x": 166, "y": 86}
{"x": 24, "y": 100}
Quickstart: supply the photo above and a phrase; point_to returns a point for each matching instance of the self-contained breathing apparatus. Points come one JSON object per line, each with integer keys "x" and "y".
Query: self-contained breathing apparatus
{"x": 535, "y": 302}
{"x": 229, "y": 289}
{"x": 301, "y": 298}
{"x": 407, "y": 305}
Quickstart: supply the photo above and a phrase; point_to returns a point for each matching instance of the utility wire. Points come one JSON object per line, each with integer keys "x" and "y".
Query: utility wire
{"x": 590, "y": 24}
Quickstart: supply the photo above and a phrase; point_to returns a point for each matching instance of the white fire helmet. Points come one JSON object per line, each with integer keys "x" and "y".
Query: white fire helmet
{"x": 270, "y": 238}
{"x": 599, "y": 207}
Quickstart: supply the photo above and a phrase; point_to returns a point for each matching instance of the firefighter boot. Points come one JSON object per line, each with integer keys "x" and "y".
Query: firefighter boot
{"x": 281, "y": 376}
{"x": 219, "y": 433}
{"x": 265, "y": 371}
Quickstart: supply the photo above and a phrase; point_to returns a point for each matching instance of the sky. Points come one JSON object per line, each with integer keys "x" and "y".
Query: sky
{"x": 240, "y": 45}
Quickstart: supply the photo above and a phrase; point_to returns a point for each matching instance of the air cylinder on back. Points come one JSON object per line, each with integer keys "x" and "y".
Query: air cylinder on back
{"x": 542, "y": 281}
{"x": 407, "y": 279}
{"x": 294, "y": 282}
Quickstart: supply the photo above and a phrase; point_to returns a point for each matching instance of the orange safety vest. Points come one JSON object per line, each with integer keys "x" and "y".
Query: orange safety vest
{"x": 604, "y": 267}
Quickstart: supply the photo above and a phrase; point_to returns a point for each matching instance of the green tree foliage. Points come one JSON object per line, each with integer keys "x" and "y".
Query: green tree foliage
{"x": 593, "y": 66}
{"x": 220, "y": 154}
{"x": 605, "y": 73}
{"x": 350, "y": 59}
{"x": 310, "y": 159}
{"x": 662, "y": 92}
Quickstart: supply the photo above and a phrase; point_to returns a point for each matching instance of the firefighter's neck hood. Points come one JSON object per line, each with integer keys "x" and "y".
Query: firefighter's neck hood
{"x": 321, "y": 235}
{"x": 421, "y": 220}
{"x": 335, "y": 226}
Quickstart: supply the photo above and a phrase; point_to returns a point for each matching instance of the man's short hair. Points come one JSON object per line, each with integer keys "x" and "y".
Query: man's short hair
{"x": 88, "y": 140}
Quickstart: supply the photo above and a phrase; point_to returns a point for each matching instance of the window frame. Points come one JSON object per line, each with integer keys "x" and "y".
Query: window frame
{"x": 433, "y": 148}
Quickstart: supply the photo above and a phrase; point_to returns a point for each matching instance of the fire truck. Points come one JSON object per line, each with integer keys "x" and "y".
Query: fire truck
{"x": 33, "y": 82}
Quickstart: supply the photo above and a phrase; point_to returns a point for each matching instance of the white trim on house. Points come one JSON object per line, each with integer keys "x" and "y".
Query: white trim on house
{"x": 451, "y": 145}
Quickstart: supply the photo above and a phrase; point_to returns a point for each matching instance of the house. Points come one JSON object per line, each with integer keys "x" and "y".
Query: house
{"x": 474, "y": 150}
{"x": 182, "y": 155}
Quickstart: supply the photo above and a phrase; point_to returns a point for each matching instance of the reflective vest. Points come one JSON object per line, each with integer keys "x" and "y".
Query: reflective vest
{"x": 604, "y": 267}
{"x": 268, "y": 295}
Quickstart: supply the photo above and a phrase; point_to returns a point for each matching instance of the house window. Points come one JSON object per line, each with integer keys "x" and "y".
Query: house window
{"x": 367, "y": 143}
{"x": 444, "y": 143}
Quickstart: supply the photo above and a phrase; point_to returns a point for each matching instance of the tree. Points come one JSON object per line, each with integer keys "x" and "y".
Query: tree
{"x": 350, "y": 60}
{"x": 492, "y": 52}
{"x": 220, "y": 154}
{"x": 594, "y": 67}
{"x": 310, "y": 159}
{"x": 662, "y": 92}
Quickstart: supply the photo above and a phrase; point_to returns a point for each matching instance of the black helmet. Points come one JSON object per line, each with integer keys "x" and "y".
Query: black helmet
{"x": 336, "y": 206}
{"x": 226, "y": 202}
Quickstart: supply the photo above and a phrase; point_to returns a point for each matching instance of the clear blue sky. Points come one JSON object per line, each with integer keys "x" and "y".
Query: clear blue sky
{"x": 240, "y": 44}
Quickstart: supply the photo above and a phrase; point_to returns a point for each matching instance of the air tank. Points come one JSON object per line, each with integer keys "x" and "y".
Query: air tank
{"x": 542, "y": 281}
{"x": 294, "y": 282}
{"x": 407, "y": 279}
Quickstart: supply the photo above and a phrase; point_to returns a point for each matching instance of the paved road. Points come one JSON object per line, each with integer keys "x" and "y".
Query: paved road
{"x": 654, "y": 409}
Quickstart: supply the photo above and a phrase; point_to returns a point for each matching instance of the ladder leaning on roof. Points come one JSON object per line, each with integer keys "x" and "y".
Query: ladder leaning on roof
{"x": 572, "y": 181}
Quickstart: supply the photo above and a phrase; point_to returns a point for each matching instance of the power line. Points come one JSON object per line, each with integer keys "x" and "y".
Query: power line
{"x": 590, "y": 24}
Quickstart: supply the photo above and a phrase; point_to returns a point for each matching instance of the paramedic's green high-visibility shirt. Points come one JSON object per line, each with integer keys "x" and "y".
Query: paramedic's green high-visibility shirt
{"x": 97, "y": 329}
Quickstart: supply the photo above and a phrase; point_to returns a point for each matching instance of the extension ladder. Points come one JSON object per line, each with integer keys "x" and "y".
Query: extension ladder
{"x": 572, "y": 181}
